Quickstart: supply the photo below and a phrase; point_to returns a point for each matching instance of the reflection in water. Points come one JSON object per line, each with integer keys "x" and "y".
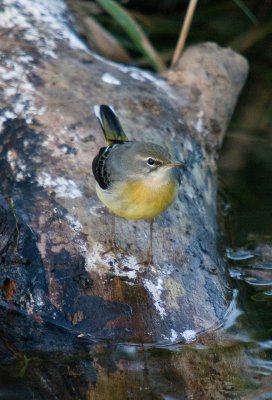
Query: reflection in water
{"x": 234, "y": 362}
{"x": 252, "y": 272}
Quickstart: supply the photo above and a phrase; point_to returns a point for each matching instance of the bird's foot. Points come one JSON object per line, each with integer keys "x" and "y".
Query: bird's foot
{"x": 148, "y": 260}
{"x": 113, "y": 248}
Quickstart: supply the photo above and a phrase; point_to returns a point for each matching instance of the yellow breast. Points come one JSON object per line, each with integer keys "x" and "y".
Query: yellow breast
{"x": 138, "y": 199}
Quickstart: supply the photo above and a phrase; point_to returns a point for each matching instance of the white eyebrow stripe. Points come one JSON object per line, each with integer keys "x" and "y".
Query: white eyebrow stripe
{"x": 145, "y": 158}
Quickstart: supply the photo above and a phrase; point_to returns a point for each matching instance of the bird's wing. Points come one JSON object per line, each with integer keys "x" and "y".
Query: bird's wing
{"x": 99, "y": 168}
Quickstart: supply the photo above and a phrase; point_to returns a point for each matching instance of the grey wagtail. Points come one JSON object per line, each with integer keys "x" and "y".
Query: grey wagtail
{"x": 135, "y": 180}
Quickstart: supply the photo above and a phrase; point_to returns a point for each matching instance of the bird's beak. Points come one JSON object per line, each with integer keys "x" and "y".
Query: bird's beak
{"x": 176, "y": 165}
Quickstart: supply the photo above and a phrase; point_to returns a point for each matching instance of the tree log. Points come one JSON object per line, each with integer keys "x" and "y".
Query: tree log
{"x": 54, "y": 230}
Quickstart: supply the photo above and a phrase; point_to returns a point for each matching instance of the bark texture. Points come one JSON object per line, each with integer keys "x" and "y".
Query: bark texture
{"x": 54, "y": 230}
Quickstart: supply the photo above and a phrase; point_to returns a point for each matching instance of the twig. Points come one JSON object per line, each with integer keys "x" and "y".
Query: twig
{"x": 184, "y": 31}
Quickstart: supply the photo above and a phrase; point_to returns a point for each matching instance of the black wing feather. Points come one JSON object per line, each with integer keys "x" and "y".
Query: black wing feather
{"x": 99, "y": 167}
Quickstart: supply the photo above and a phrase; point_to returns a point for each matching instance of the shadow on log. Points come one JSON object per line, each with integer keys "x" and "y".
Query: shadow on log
{"x": 54, "y": 230}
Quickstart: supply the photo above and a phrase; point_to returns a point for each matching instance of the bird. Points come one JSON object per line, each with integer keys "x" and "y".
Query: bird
{"x": 134, "y": 180}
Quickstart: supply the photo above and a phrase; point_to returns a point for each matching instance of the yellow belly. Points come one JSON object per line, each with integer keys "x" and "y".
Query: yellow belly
{"x": 138, "y": 200}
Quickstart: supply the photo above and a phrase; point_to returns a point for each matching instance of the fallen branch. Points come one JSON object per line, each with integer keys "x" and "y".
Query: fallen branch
{"x": 54, "y": 237}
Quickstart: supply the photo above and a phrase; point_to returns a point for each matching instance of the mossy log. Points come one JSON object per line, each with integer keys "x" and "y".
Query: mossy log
{"x": 54, "y": 230}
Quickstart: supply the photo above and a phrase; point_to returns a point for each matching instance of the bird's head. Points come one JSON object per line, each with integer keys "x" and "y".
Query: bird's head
{"x": 149, "y": 161}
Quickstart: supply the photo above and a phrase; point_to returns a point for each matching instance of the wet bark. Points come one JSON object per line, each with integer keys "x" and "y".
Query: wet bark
{"x": 54, "y": 274}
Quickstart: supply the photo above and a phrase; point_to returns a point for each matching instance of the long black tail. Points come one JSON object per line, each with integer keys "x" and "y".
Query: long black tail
{"x": 110, "y": 124}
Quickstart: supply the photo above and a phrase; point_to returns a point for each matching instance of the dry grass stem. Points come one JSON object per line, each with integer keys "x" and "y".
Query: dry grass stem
{"x": 184, "y": 31}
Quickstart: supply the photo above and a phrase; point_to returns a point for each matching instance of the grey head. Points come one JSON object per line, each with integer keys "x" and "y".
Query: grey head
{"x": 141, "y": 160}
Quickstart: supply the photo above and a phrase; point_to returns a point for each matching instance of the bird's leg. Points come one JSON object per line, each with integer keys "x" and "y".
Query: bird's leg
{"x": 112, "y": 242}
{"x": 113, "y": 237}
{"x": 149, "y": 254}
{"x": 150, "y": 250}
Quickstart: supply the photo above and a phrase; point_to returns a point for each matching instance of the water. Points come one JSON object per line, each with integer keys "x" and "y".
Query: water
{"x": 249, "y": 187}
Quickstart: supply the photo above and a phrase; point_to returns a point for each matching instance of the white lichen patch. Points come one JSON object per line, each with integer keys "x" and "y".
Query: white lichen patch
{"x": 167, "y": 269}
{"x": 63, "y": 187}
{"x": 11, "y": 159}
{"x": 74, "y": 223}
{"x": 189, "y": 335}
{"x": 17, "y": 166}
{"x": 160, "y": 83}
{"x": 42, "y": 23}
{"x": 122, "y": 265}
{"x": 198, "y": 175}
{"x": 173, "y": 336}
{"x": 155, "y": 289}
{"x": 199, "y": 126}
{"x": 187, "y": 144}
{"x": 97, "y": 211}
{"x": 30, "y": 302}
{"x": 137, "y": 76}
{"x": 125, "y": 266}
{"x": 39, "y": 301}
{"x": 16, "y": 85}
{"x": 190, "y": 192}
{"x": 142, "y": 76}
{"x": 109, "y": 78}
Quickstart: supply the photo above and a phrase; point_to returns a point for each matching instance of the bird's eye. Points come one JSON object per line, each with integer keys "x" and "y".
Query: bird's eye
{"x": 150, "y": 161}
